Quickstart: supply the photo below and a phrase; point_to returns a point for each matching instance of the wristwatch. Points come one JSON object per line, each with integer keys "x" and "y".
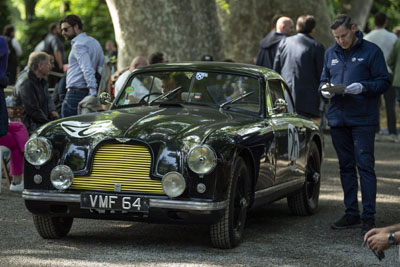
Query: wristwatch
{"x": 392, "y": 239}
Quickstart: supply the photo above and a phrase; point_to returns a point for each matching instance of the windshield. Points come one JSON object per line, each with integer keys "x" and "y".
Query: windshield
{"x": 206, "y": 88}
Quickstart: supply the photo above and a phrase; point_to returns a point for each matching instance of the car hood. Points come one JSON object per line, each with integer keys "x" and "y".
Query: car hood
{"x": 146, "y": 123}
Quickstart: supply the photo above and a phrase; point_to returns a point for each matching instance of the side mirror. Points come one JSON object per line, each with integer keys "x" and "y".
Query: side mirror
{"x": 280, "y": 105}
{"x": 105, "y": 98}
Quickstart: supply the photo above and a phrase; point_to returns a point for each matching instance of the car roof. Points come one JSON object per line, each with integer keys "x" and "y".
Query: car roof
{"x": 229, "y": 67}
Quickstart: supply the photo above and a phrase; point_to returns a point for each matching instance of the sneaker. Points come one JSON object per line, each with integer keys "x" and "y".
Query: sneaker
{"x": 347, "y": 221}
{"x": 367, "y": 224}
{"x": 17, "y": 187}
{"x": 394, "y": 138}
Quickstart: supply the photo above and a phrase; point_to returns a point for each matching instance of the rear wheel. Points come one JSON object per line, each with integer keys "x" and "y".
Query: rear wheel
{"x": 305, "y": 200}
{"x": 52, "y": 227}
{"x": 228, "y": 231}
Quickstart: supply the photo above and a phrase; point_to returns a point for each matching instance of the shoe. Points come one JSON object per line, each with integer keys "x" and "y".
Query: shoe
{"x": 367, "y": 224}
{"x": 394, "y": 138}
{"x": 17, "y": 187}
{"x": 346, "y": 222}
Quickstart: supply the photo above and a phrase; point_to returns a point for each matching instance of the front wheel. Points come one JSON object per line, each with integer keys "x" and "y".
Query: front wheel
{"x": 228, "y": 231}
{"x": 52, "y": 227}
{"x": 305, "y": 201}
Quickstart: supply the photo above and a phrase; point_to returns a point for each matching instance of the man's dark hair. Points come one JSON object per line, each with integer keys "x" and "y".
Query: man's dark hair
{"x": 380, "y": 19}
{"x": 72, "y": 20}
{"x": 8, "y": 29}
{"x": 156, "y": 57}
{"x": 52, "y": 27}
{"x": 305, "y": 24}
{"x": 341, "y": 20}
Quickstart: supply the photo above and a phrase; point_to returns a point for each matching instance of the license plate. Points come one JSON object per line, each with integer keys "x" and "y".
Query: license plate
{"x": 114, "y": 202}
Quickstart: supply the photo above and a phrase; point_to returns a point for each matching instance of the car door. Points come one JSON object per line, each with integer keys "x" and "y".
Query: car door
{"x": 289, "y": 132}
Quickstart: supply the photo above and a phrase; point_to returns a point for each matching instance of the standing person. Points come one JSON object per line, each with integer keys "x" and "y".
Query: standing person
{"x": 32, "y": 92}
{"x": 54, "y": 46}
{"x": 85, "y": 59}
{"x": 299, "y": 59}
{"x": 393, "y": 62}
{"x": 353, "y": 116}
{"x": 269, "y": 45}
{"x": 385, "y": 40}
{"x": 14, "y": 52}
{"x": 3, "y": 84}
{"x": 111, "y": 50}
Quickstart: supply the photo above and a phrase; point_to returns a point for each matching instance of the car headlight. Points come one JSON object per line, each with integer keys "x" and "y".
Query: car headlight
{"x": 202, "y": 159}
{"x": 61, "y": 177}
{"x": 173, "y": 184}
{"x": 38, "y": 151}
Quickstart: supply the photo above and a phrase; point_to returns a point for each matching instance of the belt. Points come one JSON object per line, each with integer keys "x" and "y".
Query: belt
{"x": 79, "y": 89}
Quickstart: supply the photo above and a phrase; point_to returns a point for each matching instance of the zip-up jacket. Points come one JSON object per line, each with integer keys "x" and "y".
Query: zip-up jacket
{"x": 363, "y": 63}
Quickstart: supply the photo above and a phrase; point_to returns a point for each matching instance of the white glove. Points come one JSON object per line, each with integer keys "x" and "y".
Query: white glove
{"x": 326, "y": 94}
{"x": 354, "y": 89}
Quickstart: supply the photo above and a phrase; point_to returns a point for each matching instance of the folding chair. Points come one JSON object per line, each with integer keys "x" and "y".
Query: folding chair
{"x": 3, "y": 165}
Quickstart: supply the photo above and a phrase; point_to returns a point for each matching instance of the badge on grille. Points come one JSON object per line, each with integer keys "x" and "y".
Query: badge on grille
{"x": 117, "y": 187}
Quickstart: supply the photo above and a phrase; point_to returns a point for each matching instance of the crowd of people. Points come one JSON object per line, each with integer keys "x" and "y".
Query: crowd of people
{"x": 364, "y": 65}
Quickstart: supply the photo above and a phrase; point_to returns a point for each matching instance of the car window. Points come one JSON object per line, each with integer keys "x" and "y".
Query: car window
{"x": 276, "y": 91}
{"x": 288, "y": 97}
{"x": 195, "y": 87}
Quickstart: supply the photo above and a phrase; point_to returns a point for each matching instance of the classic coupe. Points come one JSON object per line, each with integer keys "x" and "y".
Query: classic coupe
{"x": 183, "y": 143}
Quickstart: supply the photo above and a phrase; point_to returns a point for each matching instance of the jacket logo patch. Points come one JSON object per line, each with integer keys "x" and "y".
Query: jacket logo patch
{"x": 360, "y": 59}
{"x": 334, "y": 62}
{"x": 353, "y": 59}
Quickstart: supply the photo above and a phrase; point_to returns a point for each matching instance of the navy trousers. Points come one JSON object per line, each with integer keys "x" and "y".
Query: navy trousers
{"x": 355, "y": 149}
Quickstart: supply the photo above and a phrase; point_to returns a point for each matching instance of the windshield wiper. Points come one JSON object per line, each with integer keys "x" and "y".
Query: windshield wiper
{"x": 166, "y": 94}
{"x": 235, "y": 99}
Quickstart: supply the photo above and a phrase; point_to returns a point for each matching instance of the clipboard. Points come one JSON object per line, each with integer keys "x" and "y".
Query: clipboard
{"x": 336, "y": 89}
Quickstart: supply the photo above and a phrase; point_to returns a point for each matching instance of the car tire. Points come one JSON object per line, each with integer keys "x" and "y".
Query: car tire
{"x": 52, "y": 227}
{"x": 228, "y": 231}
{"x": 305, "y": 201}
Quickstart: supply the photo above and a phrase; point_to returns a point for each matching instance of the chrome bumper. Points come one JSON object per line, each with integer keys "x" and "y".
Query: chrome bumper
{"x": 154, "y": 203}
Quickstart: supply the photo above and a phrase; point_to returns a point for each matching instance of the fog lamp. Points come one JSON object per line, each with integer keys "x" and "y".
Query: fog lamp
{"x": 173, "y": 184}
{"x": 61, "y": 177}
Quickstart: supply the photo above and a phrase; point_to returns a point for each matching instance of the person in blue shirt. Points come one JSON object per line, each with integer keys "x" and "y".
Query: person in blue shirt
{"x": 353, "y": 115}
{"x": 85, "y": 59}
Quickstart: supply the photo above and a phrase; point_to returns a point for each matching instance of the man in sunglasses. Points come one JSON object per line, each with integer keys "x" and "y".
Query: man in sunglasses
{"x": 85, "y": 60}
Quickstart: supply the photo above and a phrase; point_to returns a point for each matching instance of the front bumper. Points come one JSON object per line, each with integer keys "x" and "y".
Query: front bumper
{"x": 53, "y": 203}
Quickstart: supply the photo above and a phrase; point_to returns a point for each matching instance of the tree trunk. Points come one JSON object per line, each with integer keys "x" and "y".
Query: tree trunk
{"x": 249, "y": 21}
{"x": 30, "y": 10}
{"x": 182, "y": 29}
{"x": 359, "y": 11}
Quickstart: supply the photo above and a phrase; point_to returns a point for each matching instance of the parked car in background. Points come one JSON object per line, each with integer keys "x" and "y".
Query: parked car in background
{"x": 191, "y": 143}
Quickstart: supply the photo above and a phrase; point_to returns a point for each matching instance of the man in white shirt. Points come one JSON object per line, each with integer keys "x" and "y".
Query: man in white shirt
{"x": 137, "y": 62}
{"x": 385, "y": 40}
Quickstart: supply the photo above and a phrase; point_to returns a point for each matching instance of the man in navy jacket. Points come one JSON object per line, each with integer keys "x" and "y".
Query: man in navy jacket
{"x": 353, "y": 116}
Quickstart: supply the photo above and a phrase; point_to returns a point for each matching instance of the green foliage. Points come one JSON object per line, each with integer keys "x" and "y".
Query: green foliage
{"x": 94, "y": 14}
{"x": 224, "y": 6}
{"x": 5, "y": 15}
{"x": 390, "y": 8}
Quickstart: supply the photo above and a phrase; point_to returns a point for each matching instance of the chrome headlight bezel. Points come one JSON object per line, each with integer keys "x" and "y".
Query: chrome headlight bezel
{"x": 61, "y": 177}
{"x": 178, "y": 184}
{"x": 200, "y": 155}
{"x": 47, "y": 152}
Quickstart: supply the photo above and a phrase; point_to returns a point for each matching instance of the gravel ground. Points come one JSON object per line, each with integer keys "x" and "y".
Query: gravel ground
{"x": 273, "y": 237}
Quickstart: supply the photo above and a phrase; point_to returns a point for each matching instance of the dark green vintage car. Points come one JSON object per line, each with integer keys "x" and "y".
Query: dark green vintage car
{"x": 197, "y": 143}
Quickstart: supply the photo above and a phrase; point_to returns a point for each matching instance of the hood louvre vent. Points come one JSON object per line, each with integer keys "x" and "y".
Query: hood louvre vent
{"x": 120, "y": 164}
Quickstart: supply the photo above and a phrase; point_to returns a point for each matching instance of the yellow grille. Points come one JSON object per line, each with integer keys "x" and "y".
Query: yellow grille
{"x": 128, "y": 165}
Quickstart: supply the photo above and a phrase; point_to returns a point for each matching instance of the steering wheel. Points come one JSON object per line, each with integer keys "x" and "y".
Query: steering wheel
{"x": 148, "y": 96}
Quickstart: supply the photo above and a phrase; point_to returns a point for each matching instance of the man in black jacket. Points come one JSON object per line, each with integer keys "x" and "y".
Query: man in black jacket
{"x": 299, "y": 60}
{"x": 32, "y": 92}
{"x": 268, "y": 45}
{"x": 3, "y": 84}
